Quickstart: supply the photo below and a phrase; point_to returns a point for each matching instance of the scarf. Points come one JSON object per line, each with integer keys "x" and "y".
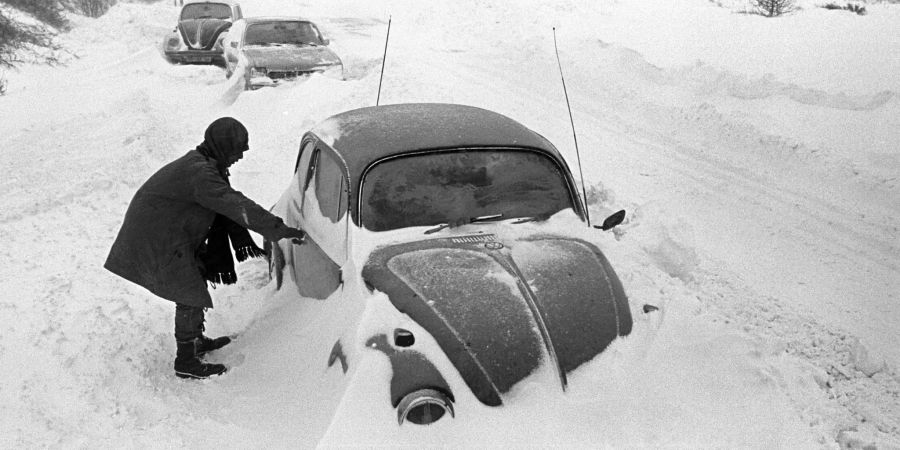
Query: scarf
{"x": 217, "y": 259}
{"x": 224, "y": 137}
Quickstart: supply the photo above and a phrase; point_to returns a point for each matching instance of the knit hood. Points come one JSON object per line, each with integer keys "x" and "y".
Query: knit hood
{"x": 224, "y": 137}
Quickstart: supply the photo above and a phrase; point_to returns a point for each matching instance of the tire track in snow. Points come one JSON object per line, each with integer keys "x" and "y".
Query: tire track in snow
{"x": 696, "y": 163}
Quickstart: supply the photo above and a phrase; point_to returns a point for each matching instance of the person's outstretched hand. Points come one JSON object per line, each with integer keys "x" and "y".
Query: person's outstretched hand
{"x": 296, "y": 235}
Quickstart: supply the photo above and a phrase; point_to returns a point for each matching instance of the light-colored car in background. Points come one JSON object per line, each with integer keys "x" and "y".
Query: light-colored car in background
{"x": 270, "y": 50}
{"x": 197, "y": 38}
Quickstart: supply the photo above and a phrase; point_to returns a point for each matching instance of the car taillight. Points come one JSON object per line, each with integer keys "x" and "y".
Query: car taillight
{"x": 424, "y": 407}
{"x": 258, "y": 72}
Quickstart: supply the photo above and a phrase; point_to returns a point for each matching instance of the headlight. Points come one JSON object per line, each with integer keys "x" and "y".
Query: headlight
{"x": 424, "y": 407}
{"x": 256, "y": 72}
{"x": 173, "y": 42}
{"x": 220, "y": 41}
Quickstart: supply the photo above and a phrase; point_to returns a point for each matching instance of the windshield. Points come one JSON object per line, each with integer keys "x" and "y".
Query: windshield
{"x": 442, "y": 187}
{"x": 282, "y": 33}
{"x": 206, "y": 11}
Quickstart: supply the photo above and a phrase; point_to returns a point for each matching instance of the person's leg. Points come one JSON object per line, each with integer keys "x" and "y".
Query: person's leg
{"x": 189, "y": 338}
{"x": 209, "y": 344}
{"x": 188, "y": 322}
{"x": 189, "y": 325}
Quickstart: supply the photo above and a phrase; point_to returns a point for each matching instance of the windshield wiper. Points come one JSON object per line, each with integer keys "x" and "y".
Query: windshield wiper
{"x": 536, "y": 218}
{"x": 464, "y": 221}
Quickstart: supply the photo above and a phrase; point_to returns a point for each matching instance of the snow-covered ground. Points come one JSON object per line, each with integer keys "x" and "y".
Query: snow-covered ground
{"x": 758, "y": 160}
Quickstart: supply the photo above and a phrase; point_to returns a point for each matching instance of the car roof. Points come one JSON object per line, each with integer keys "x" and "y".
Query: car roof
{"x": 258, "y": 19}
{"x": 362, "y": 136}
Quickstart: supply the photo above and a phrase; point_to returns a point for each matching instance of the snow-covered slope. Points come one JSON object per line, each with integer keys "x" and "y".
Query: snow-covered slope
{"x": 757, "y": 159}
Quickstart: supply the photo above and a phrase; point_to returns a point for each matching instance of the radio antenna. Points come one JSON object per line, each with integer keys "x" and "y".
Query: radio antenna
{"x": 383, "y": 59}
{"x": 587, "y": 214}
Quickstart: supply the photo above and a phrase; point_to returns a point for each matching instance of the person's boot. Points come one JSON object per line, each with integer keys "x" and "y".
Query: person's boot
{"x": 188, "y": 364}
{"x": 207, "y": 344}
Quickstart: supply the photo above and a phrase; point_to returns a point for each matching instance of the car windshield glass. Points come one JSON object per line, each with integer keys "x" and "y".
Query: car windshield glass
{"x": 206, "y": 11}
{"x": 443, "y": 187}
{"x": 292, "y": 33}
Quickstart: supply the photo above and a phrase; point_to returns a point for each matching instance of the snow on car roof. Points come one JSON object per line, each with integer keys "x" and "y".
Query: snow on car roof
{"x": 225, "y": 2}
{"x": 364, "y": 135}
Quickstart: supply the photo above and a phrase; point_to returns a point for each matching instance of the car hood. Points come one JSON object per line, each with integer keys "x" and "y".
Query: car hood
{"x": 290, "y": 57}
{"x": 201, "y": 34}
{"x": 501, "y": 309}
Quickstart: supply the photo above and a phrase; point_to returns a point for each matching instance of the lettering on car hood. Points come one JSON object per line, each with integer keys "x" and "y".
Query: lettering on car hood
{"x": 501, "y": 309}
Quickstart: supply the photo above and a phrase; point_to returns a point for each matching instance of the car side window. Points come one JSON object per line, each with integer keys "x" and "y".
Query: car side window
{"x": 325, "y": 203}
{"x": 330, "y": 184}
{"x": 304, "y": 168}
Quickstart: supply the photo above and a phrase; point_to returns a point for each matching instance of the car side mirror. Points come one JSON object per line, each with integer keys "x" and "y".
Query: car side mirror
{"x": 612, "y": 221}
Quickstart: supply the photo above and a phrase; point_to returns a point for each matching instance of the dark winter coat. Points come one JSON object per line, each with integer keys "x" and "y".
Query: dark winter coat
{"x": 168, "y": 220}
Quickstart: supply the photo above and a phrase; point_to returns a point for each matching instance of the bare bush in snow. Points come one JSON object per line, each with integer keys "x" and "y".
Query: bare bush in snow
{"x": 858, "y": 9}
{"x": 773, "y": 8}
{"x": 28, "y": 29}
{"x": 93, "y": 8}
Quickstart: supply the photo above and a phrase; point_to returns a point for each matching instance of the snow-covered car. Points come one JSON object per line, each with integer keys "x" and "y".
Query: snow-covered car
{"x": 434, "y": 215}
{"x": 269, "y": 50}
{"x": 197, "y": 38}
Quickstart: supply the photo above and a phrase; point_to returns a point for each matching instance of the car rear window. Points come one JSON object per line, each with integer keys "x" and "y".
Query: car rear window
{"x": 206, "y": 11}
{"x": 443, "y": 187}
{"x": 297, "y": 33}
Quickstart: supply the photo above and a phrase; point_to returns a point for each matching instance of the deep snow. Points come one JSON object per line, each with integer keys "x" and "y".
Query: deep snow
{"x": 757, "y": 159}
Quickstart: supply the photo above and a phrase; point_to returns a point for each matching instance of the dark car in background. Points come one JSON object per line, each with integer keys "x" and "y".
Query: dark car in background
{"x": 430, "y": 241}
{"x": 266, "y": 51}
{"x": 197, "y": 38}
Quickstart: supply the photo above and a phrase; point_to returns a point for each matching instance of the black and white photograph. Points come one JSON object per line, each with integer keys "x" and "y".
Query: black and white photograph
{"x": 591, "y": 224}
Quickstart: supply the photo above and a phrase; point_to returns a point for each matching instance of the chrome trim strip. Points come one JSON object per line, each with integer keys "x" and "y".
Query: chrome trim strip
{"x": 506, "y": 260}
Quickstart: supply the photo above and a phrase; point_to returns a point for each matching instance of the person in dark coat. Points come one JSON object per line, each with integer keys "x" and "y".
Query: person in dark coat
{"x": 176, "y": 233}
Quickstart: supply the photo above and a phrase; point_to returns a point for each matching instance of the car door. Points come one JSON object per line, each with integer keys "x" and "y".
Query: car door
{"x": 321, "y": 210}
